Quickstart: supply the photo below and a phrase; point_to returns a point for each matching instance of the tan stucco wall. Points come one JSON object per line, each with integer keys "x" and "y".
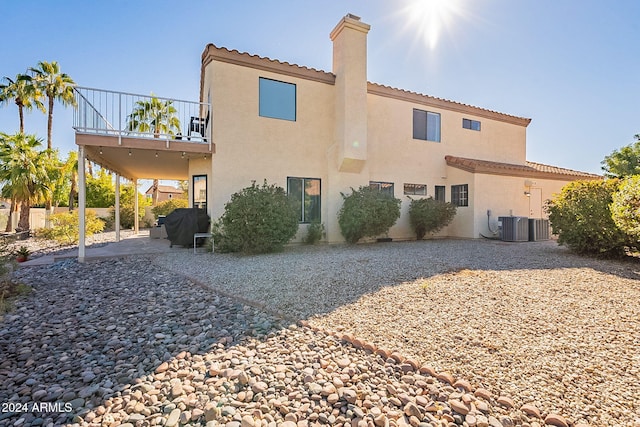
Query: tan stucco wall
{"x": 253, "y": 148}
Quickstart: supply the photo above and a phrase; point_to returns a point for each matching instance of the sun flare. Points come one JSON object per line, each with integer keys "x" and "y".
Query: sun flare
{"x": 430, "y": 18}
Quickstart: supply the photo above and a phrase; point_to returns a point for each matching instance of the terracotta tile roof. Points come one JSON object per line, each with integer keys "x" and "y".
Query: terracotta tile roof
{"x": 446, "y": 104}
{"x": 165, "y": 189}
{"x": 528, "y": 170}
{"x": 213, "y": 52}
{"x": 234, "y": 56}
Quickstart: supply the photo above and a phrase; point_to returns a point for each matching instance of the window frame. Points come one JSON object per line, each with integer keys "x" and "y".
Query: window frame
{"x": 197, "y": 203}
{"x": 470, "y": 124}
{"x": 302, "y": 217}
{"x": 460, "y": 195}
{"x": 384, "y": 187}
{"x": 440, "y": 190}
{"x": 417, "y": 132}
{"x": 266, "y": 110}
{"x": 414, "y": 191}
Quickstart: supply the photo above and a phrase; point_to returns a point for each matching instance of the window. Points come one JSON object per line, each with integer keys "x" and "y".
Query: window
{"x": 200, "y": 191}
{"x": 471, "y": 124}
{"x": 460, "y": 195}
{"x": 277, "y": 99}
{"x": 415, "y": 189}
{"x": 305, "y": 192}
{"x": 426, "y": 125}
{"x": 440, "y": 193}
{"x": 385, "y": 187}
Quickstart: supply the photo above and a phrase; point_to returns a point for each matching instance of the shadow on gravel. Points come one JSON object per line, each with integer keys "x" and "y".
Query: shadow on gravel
{"x": 90, "y": 331}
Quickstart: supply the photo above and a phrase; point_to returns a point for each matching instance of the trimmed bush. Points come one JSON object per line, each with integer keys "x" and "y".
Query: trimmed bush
{"x": 65, "y": 227}
{"x": 258, "y": 219}
{"x": 429, "y": 216}
{"x": 314, "y": 233}
{"x": 581, "y": 218}
{"x": 367, "y": 212}
{"x": 168, "y": 206}
{"x": 625, "y": 207}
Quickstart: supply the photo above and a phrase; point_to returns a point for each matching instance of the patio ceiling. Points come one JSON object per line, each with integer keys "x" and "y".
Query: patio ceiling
{"x": 142, "y": 158}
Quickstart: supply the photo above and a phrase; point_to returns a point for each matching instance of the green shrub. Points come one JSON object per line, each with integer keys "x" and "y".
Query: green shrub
{"x": 367, "y": 212}
{"x": 581, "y": 218}
{"x": 429, "y": 216}
{"x": 314, "y": 233}
{"x": 168, "y": 206}
{"x": 258, "y": 219}
{"x": 65, "y": 227}
{"x": 625, "y": 207}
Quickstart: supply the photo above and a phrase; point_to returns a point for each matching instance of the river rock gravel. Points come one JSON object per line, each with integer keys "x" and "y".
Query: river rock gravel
{"x": 437, "y": 333}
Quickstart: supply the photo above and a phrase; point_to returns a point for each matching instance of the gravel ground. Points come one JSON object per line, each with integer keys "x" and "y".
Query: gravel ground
{"x": 496, "y": 334}
{"x": 529, "y": 320}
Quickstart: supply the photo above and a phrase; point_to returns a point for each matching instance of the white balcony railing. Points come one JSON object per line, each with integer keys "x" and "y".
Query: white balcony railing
{"x": 106, "y": 112}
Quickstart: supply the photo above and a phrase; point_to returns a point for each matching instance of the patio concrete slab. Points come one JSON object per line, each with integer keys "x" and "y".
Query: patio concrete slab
{"x": 140, "y": 244}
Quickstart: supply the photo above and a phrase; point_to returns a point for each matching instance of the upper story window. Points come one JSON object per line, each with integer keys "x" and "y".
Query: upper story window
{"x": 460, "y": 195}
{"x": 277, "y": 99}
{"x": 385, "y": 187}
{"x": 415, "y": 189}
{"x": 426, "y": 125}
{"x": 471, "y": 124}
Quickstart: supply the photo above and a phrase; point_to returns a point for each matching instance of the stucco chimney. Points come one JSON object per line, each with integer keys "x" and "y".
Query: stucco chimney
{"x": 349, "y": 39}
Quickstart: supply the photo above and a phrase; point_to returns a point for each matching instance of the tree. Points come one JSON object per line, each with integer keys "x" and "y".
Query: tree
{"x": 623, "y": 162}
{"x": 55, "y": 86}
{"x": 625, "y": 207}
{"x": 101, "y": 190}
{"x": 157, "y": 117}
{"x": 23, "y": 169}
{"x": 23, "y": 93}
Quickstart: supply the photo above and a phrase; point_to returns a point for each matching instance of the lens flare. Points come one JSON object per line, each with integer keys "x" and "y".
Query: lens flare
{"x": 430, "y": 18}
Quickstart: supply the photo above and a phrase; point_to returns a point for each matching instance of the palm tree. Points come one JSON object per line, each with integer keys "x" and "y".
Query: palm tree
{"x": 23, "y": 169}
{"x": 23, "y": 93}
{"x": 56, "y": 86}
{"x": 157, "y": 117}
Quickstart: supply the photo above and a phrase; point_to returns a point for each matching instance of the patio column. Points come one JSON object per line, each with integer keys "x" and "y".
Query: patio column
{"x": 117, "y": 208}
{"x": 82, "y": 198}
{"x": 136, "y": 220}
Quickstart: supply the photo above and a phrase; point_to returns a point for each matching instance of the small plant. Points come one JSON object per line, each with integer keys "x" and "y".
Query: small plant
{"x": 9, "y": 291}
{"x": 625, "y": 206}
{"x": 430, "y": 216}
{"x": 367, "y": 212}
{"x": 314, "y": 233}
{"x": 22, "y": 254}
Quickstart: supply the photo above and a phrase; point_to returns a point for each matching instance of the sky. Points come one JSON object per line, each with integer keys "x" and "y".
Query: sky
{"x": 570, "y": 66}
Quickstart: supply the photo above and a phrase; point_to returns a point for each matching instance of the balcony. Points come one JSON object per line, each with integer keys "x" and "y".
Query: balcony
{"x": 141, "y": 136}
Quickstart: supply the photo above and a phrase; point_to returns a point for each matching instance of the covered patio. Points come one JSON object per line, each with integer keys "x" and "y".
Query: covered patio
{"x": 137, "y": 137}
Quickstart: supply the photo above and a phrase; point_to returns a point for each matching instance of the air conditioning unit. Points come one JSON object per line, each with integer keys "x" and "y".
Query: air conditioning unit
{"x": 538, "y": 229}
{"x": 514, "y": 228}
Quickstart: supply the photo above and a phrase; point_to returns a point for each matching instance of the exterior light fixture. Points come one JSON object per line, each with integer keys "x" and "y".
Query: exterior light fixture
{"x": 527, "y": 193}
{"x": 129, "y": 152}
{"x": 182, "y": 156}
{"x": 100, "y": 150}
{"x": 156, "y": 154}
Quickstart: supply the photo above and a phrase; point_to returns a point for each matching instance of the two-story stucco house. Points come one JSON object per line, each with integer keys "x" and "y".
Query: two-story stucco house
{"x": 318, "y": 134}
